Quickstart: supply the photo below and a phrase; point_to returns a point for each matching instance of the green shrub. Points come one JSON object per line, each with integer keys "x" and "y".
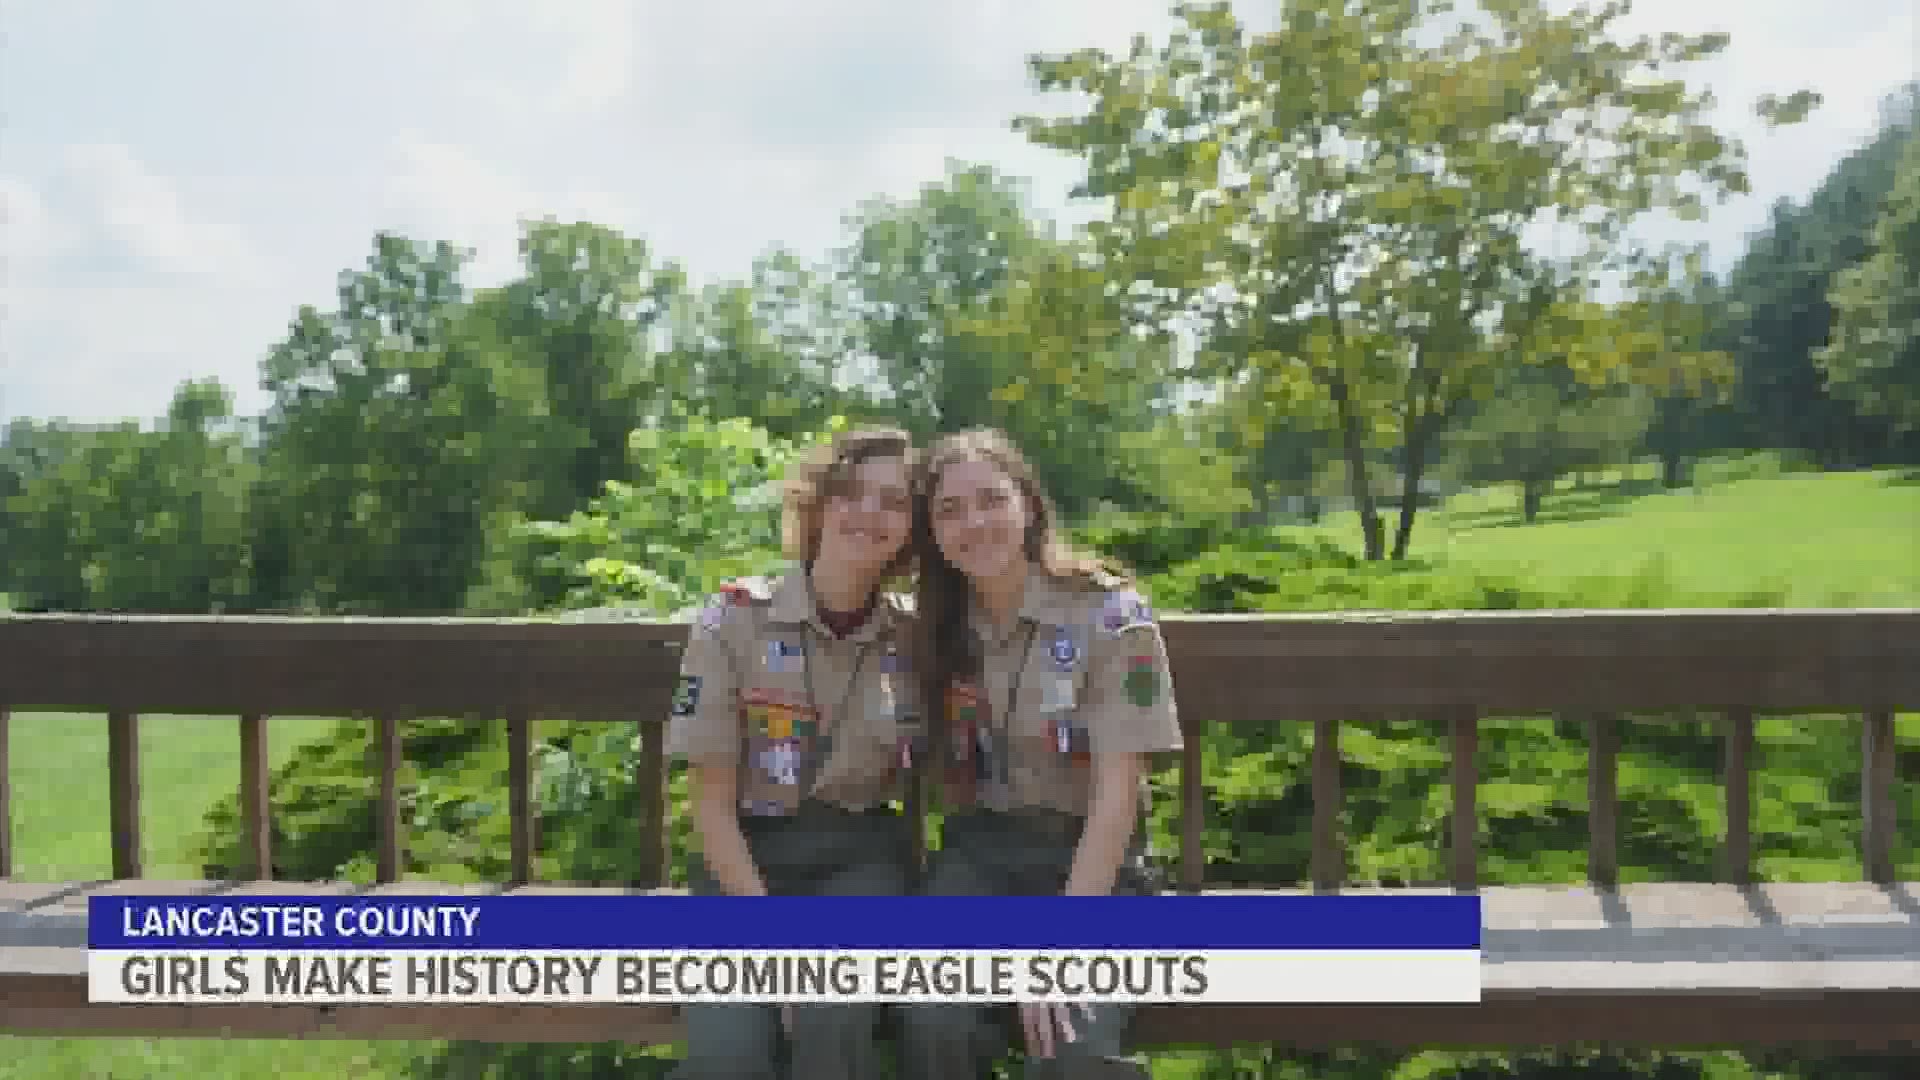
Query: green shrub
{"x": 1258, "y": 801}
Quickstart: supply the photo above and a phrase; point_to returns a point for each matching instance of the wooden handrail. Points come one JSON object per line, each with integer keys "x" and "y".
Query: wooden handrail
{"x": 1453, "y": 667}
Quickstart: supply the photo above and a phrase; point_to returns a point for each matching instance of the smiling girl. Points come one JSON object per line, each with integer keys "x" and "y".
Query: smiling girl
{"x": 1054, "y": 681}
{"x": 790, "y": 710}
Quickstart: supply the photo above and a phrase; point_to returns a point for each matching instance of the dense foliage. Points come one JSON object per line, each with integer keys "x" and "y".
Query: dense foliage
{"x": 1806, "y": 825}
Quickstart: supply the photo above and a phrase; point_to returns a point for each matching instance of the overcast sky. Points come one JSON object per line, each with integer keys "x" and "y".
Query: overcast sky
{"x": 176, "y": 178}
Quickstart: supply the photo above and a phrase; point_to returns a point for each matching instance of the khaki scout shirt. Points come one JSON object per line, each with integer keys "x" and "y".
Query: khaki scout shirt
{"x": 1086, "y": 671}
{"x": 766, "y": 687}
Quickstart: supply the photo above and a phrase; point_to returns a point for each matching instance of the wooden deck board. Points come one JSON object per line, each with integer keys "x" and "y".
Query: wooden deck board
{"x": 1780, "y": 963}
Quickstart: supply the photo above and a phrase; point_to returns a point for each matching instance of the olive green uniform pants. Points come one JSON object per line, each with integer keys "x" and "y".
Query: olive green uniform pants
{"x": 822, "y": 851}
{"x": 1019, "y": 854}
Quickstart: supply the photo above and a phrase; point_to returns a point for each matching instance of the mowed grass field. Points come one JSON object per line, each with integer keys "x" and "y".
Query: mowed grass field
{"x": 1845, "y": 539}
{"x": 59, "y": 766}
{"x": 1821, "y": 539}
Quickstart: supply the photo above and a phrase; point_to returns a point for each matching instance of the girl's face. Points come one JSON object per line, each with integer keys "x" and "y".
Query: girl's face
{"x": 980, "y": 518}
{"x": 866, "y": 525}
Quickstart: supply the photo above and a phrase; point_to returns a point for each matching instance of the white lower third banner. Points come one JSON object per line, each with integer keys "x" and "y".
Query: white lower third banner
{"x": 523, "y": 977}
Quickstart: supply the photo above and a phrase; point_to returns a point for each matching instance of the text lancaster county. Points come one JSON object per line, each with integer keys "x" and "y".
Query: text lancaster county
{"x": 396, "y": 921}
{"x": 420, "y": 976}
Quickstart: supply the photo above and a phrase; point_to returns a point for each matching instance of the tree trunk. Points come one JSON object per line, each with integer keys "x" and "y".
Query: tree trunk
{"x": 1673, "y": 470}
{"x": 1531, "y": 490}
{"x": 1419, "y": 440}
{"x": 1353, "y": 446}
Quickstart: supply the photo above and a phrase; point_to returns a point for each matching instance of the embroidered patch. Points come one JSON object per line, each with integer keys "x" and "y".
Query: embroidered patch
{"x": 780, "y": 761}
{"x": 1058, "y": 694}
{"x": 1069, "y": 738}
{"x": 686, "y": 696}
{"x": 1121, "y": 610}
{"x": 771, "y": 718}
{"x": 783, "y": 657}
{"x": 963, "y": 707}
{"x": 1142, "y": 683}
{"x": 713, "y": 614}
{"x": 1063, "y": 650}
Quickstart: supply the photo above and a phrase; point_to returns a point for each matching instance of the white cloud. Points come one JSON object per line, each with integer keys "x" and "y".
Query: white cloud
{"x": 143, "y": 203}
{"x": 26, "y": 232}
{"x": 440, "y": 191}
{"x": 574, "y": 57}
{"x": 103, "y": 209}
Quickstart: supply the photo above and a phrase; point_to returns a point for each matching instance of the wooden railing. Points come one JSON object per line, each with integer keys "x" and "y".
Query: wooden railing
{"x": 1451, "y": 667}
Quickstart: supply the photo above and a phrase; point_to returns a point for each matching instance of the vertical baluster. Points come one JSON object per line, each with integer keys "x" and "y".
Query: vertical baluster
{"x": 1603, "y": 853}
{"x": 256, "y": 809}
{"x": 1738, "y": 778}
{"x": 6, "y": 800}
{"x": 123, "y": 792}
{"x": 1464, "y": 731}
{"x": 1193, "y": 811}
{"x": 387, "y": 817}
{"x": 1876, "y": 796}
{"x": 1329, "y": 858}
{"x": 651, "y": 779}
{"x": 520, "y": 810}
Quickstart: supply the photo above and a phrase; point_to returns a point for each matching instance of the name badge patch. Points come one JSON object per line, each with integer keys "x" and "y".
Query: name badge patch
{"x": 1058, "y": 695}
{"x": 686, "y": 696}
{"x": 783, "y": 657}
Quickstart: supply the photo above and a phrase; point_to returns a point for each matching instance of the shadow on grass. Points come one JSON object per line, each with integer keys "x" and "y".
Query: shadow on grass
{"x": 1580, "y": 504}
{"x": 1909, "y": 478}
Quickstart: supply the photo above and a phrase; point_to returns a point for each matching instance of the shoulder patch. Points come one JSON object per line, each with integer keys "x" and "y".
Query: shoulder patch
{"x": 743, "y": 592}
{"x": 747, "y": 590}
{"x": 713, "y": 613}
{"x": 1123, "y": 608}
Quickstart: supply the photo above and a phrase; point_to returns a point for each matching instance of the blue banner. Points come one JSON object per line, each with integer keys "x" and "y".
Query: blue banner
{"x": 931, "y": 923}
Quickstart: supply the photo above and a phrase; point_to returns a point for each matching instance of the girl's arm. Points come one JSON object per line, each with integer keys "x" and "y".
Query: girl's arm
{"x": 1111, "y": 818}
{"x": 716, "y": 819}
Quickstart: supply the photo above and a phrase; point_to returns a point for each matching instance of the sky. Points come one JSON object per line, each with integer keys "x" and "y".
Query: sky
{"x": 176, "y": 179}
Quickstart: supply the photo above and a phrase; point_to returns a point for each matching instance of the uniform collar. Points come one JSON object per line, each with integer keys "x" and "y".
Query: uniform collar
{"x": 1039, "y": 603}
{"x": 793, "y": 604}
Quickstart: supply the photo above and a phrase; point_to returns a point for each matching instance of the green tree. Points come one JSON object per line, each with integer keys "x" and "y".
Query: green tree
{"x": 773, "y": 348}
{"x": 386, "y": 435}
{"x": 914, "y": 270}
{"x": 704, "y": 507}
{"x": 1873, "y": 358}
{"x": 1543, "y": 424}
{"x": 1344, "y": 200}
{"x": 584, "y": 332}
{"x": 1076, "y": 384}
{"x": 960, "y": 293}
{"x": 1776, "y": 311}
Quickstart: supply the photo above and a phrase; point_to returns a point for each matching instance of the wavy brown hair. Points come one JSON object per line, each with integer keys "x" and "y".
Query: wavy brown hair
{"x": 827, "y": 472}
{"x": 945, "y": 646}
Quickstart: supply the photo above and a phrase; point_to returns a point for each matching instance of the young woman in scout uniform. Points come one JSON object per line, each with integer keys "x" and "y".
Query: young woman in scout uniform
{"x": 789, "y": 711}
{"x": 1054, "y": 679}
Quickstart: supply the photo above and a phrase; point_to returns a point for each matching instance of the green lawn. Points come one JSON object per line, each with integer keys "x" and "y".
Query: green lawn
{"x": 1842, "y": 539}
{"x": 60, "y": 788}
{"x": 60, "y": 824}
{"x": 1839, "y": 539}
